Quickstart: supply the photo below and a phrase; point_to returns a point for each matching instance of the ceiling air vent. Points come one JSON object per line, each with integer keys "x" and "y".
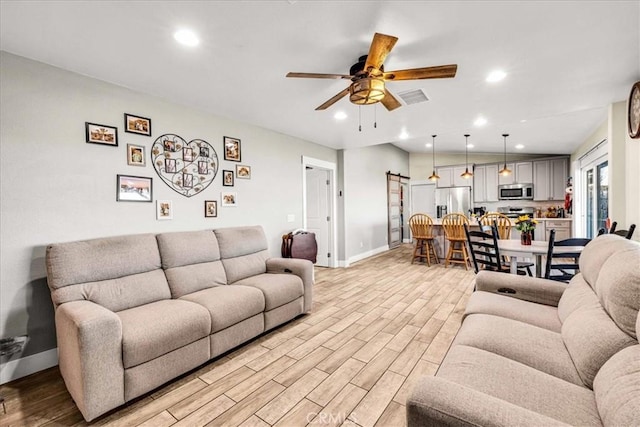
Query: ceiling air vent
{"x": 413, "y": 96}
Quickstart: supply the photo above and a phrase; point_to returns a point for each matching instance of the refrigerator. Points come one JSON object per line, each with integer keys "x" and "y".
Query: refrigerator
{"x": 456, "y": 200}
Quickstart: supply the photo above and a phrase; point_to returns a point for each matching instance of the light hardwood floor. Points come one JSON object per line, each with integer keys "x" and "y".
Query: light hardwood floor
{"x": 375, "y": 328}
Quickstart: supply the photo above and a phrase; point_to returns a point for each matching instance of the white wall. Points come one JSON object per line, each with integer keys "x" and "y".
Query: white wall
{"x": 365, "y": 197}
{"x": 55, "y": 187}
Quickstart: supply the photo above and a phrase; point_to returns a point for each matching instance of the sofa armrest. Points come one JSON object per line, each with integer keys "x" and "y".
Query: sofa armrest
{"x": 300, "y": 267}
{"x": 438, "y": 402}
{"x": 541, "y": 291}
{"x": 90, "y": 356}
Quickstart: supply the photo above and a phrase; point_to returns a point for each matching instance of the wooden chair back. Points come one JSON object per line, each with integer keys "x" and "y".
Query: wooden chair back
{"x": 627, "y": 234}
{"x": 453, "y": 225}
{"x": 502, "y": 221}
{"x": 484, "y": 249}
{"x": 568, "y": 266}
{"x": 421, "y": 226}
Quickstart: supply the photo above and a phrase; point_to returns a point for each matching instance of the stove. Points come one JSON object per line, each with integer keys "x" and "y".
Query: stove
{"x": 515, "y": 212}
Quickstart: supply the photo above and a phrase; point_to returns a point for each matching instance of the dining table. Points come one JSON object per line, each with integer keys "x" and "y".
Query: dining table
{"x": 515, "y": 250}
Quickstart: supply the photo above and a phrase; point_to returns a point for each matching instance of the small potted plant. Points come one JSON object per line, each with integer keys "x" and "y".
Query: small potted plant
{"x": 525, "y": 225}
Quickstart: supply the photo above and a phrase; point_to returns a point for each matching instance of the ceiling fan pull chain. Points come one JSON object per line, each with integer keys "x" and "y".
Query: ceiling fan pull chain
{"x": 375, "y": 116}
{"x": 359, "y": 118}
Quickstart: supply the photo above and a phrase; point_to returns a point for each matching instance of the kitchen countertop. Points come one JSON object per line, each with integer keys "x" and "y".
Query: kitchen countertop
{"x": 438, "y": 221}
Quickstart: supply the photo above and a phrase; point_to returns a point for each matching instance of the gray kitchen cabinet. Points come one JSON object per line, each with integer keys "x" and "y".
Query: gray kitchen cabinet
{"x": 550, "y": 179}
{"x": 521, "y": 173}
{"x": 450, "y": 176}
{"x": 485, "y": 183}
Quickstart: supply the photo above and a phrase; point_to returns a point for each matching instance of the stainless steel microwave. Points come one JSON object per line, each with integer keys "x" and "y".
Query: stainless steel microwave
{"x": 515, "y": 192}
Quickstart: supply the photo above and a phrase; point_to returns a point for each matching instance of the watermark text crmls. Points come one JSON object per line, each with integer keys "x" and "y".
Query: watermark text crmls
{"x": 330, "y": 418}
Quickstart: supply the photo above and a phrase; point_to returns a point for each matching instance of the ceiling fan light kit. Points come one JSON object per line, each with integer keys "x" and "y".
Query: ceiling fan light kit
{"x": 368, "y": 76}
{"x": 366, "y": 91}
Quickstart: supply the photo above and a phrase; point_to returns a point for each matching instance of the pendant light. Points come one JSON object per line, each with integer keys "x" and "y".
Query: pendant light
{"x": 466, "y": 174}
{"x": 505, "y": 171}
{"x": 434, "y": 176}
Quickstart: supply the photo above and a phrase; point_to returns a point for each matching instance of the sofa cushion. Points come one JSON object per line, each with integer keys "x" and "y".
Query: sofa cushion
{"x": 591, "y": 338}
{"x": 152, "y": 330}
{"x": 617, "y": 388}
{"x": 544, "y": 316}
{"x": 191, "y": 261}
{"x": 116, "y": 272}
{"x": 618, "y": 286}
{"x": 520, "y": 385}
{"x": 536, "y": 347}
{"x": 595, "y": 254}
{"x": 577, "y": 295}
{"x": 243, "y": 251}
{"x": 278, "y": 289}
{"x": 228, "y": 305}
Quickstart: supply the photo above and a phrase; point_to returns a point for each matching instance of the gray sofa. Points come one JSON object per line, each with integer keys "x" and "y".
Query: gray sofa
{"x": 133, "y": 312}
{"x": 544, "y": 353}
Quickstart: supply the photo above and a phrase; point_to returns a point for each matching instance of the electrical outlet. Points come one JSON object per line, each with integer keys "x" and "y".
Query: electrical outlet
{"x": 361, "y": 245}
{"x": 291, "y": 218}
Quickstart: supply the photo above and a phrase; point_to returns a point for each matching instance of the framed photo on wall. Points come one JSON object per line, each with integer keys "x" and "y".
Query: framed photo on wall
{"x": 243, "y": 172}
{"x": 232, "y": 149}
{"x": 137, "y": 124}
{"x": 164, "y": 209}
{"x": 101, "y": 134}
{"x": 134, "y": 188}
{"x": 135, "y": 155}
{"x": 210, "y": 208}
{"x": 229, "y": 198}
{"x": 227, "y": 178}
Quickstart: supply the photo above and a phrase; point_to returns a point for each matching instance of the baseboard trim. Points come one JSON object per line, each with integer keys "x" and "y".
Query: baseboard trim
{"x": 367, "y": 254}
{"x": 18, "y": 368}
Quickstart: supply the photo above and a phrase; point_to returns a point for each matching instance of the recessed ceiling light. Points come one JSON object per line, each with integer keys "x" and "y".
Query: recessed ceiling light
{"x": 469, "y": 145}
{"x": 519, "y": 147}
{"x": 496, "y": 76}
{"x": 186, "y": 37}
{"x": 523, "y": 121}
{"x": 480, "y": 121}
{"x": 404, "y": 135}
{"x": 340, "y": 115}
{"x": 428, "y": 145}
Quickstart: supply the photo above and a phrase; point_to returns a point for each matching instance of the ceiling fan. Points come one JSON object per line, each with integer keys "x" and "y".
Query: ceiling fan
{"x": 368, "y": 76}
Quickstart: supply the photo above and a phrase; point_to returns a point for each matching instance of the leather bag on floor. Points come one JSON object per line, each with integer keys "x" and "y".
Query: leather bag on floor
{"x": 300, "y": 244}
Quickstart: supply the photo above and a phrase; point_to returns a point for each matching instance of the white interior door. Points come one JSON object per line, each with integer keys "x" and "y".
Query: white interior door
{"x": 318, "y": 211}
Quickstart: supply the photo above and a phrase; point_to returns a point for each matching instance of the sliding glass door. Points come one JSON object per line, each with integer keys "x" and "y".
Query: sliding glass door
{"x": 596, "y": 196}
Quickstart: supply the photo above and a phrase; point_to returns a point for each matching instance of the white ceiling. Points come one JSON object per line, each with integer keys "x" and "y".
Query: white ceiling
{"x": 566, "y": 62}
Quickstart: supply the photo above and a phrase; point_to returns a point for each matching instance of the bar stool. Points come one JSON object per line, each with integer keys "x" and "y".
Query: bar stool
{"x": 453, "y": 225}
{"x": 503, "y": 224}
{"x": 422, "y": 230}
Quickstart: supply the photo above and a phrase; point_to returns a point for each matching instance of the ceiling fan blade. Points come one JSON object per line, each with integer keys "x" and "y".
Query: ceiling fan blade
{"x": 389, "y": 101}
{"x": 333, "y": 100}
{"x": 439, "y": 72}
{"x": 380, "y": 48}
{"x": 319, "y": 76}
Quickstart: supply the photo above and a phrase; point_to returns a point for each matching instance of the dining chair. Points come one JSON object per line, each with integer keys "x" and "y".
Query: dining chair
{"x": 483, "y": 247}
{"x": 421, "y": 226}
{"x": 627, "y": 234}
{"x": 453, "y": 225}
{"x": 523, "y": 267}
{"x": 567, "y": 264}
{"x": 501, "y": 221}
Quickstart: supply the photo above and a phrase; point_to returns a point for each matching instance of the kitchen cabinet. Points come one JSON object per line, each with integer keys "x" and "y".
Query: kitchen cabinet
{"x": 550, "y": 179}
{"x": 563, "y": 229}
{"x": 450, "y": 176}
{"x": 485, "y": 183}
{"x": 521, "y": 173}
